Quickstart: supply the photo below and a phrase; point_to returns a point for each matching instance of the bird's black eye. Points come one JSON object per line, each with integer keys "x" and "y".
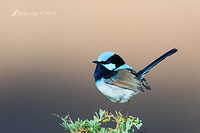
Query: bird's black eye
{"x": 107, "y": 62}
{"x": 103, "y": 62}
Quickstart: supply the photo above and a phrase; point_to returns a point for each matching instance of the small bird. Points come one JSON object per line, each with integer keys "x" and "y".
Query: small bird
{"x": 118, "y": 81}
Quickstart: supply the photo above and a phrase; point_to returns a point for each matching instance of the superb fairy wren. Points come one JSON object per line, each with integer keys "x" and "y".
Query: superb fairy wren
{"x": 118, "y": 81}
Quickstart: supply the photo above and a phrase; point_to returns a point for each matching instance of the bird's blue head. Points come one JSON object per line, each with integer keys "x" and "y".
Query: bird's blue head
{"x": 108, "y": 63}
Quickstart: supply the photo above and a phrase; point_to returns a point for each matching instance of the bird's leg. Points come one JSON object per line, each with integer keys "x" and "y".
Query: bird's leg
{"x": 112, "y": 105}
{"x": 127, "y": 108}
{"x": 107, "y": 109}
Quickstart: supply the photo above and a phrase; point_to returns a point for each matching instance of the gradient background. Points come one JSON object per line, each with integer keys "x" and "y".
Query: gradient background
{"x": 46, "y": 62}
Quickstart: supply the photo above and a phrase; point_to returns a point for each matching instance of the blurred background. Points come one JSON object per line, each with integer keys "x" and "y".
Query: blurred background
{"x": 47, "y": 49}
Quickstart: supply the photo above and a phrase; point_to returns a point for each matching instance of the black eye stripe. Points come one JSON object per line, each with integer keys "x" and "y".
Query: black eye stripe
{"x": 117, "y": 60}
{"x": 103, "y": 62}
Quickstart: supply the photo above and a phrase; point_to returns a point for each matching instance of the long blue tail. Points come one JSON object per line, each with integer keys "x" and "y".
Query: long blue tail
{"x": 142, "y": 72}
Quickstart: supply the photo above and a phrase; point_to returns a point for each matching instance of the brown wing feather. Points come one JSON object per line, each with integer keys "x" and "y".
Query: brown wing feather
{"x": 126, "y": 79}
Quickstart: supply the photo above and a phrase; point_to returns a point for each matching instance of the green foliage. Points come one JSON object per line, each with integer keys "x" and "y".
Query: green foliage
{"x": 94, "y": 126}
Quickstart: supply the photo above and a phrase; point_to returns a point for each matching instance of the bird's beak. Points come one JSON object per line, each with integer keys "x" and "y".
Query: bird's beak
{"x": 95, "y": 62}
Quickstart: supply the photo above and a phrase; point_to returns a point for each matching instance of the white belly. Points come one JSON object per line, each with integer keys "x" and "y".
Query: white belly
{"x": 115, "y": 93}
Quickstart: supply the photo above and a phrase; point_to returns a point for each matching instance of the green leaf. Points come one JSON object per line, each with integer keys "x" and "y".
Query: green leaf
{"x": 66, "y": 117}
{"x": 131, "y": 131}
{"x": 103, "y": 130}
{"x": 119, "y": 113}
{"x": 137, "y": 120}
{"x": 116, "y": 113}
{"x": 101, "y": 113}
{"x": 123, "y": 126}
{"x": 85, "y": 126}
{"x": 122, "y": 119}
{"x": 97, "y": 115}
{"x": 139, "y": 126}
{"x": 95, "y": 119}
{"x": 128, "y": 124}
{"x": 97, "y": 126}
{"x": 106, "y": 120}
{"x": 131, "y": 117}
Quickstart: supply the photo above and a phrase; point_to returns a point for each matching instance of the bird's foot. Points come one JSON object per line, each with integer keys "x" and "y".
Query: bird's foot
{"x": 107, "y": 111}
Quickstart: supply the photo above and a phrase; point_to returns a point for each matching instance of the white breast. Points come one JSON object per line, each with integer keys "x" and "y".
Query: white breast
{"x": 115, "y": 93}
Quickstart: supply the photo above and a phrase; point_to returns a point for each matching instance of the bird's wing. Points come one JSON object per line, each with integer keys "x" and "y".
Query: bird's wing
{"x": 126, "y": 79}
{"x": 146, "y": 84}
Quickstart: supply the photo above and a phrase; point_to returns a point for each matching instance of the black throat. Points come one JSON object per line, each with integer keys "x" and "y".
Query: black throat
{"x": 102, "y": 72}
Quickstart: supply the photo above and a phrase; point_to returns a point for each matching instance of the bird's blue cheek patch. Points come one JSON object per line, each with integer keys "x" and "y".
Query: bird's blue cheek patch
{"x": 125, "y": 66}
{"x": 110, "y": 66}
